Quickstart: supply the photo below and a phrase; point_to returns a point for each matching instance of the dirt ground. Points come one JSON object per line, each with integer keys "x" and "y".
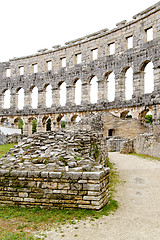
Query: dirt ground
{"x": 138, "y": 215}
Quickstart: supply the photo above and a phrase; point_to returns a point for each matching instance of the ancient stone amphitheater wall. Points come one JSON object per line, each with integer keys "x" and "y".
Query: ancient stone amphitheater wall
{"x": 85, "y": 58}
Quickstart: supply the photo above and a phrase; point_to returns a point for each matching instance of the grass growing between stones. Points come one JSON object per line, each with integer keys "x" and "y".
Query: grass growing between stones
{"x": 145, "y": 156}
{"x": 5, "y": 148}
{"x": 22, "y": 223}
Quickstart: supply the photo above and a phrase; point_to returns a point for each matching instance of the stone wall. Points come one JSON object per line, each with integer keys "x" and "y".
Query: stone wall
{"x": 148, "y": 144}
{"x": 57, "y": 169}
{"x": 54, "y": 189}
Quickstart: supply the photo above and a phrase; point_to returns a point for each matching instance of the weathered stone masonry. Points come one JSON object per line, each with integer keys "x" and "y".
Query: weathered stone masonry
{"x": 57, "y": 169}
{"x": 137, "y": 57}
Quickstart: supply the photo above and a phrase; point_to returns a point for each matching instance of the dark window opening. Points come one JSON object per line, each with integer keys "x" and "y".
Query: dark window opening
{"x": 111, "y": 132}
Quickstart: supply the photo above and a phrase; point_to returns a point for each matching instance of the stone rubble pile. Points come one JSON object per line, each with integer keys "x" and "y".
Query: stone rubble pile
{"x": 63, "y": 150}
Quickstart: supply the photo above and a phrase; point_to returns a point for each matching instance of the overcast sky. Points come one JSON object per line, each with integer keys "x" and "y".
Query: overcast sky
{"x": 29, "y": 25}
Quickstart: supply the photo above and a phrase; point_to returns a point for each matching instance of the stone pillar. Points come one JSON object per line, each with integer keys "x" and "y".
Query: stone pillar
{"x": 25, "y": 126}
{"x": 14, "y": 100}
{"x": 39, "y": 124}
{"x": 119, "y": 87}
{"x": 55, "y": 97}
{"x": 41, "y": 100}
{"x": 85, "y": 93}
{"x": 69, "y": 95}
{"x": 156, "y": 78}
{"x": 27, "y": 99}
{"x": 138, "y": 83}
{"x": 1, "y": 101}
{"x": 102, "y": 91}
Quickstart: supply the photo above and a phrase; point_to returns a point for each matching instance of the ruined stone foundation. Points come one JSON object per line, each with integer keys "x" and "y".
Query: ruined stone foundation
{"x": 57, "y": 169}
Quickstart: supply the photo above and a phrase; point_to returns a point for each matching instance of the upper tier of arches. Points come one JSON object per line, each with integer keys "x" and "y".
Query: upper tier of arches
{"x": 91, "y": 90}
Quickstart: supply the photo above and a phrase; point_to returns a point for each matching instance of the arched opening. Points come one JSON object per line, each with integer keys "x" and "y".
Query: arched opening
{"x": 59, "y": 118}
{"x": 126, "y": 114}
{"x": 142, "y": 115}
{"x": 7, "y": 98}
{"x": 123, "y": 114}
{"x": 34, "y": 125}
{"x": 5, "y": 122}
{"x": 48, "y": 124}
{"x": 75, "y": 119}
{"x": 94, "y": 90}
{"x": 63, "y": 122}
{"x": 18, "y": 123}
{"x": 20, "y": 93}
{"x": 149, "y": 117}
{"x": 78, "y": 92}
{"x": 62, "y": 93}
{"x": 148, "y": 78}
{"x": 34, "y": 97}
{"x": 129, "y": 84}
{"x": 48, "y": 99}
{"x": 111, "y": 87}
{"x": 129, "y": 115}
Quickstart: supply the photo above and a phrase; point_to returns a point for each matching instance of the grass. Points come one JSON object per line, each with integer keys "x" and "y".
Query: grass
{"x": 145, "y": 156}
{"x": 5, "y": 148}
{"x": 22, "y": 223}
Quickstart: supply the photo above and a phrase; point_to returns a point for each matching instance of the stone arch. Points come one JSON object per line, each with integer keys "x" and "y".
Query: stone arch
{"x": 75, "y": 118}
{"x": 34, "y": 96}
{"x": 149, "y": 117}
{"x": 32, "y": 125}
{"x": 58, "y": 120}
{"x": 62, "y": 93}
{"x": 48, "y": 95}
{"x": 20, "y": 98}
{"x": 147, "y": 77}
{"x": 125, "y": 114}
{"x": 77, "y": 91}
{"x": 46, "y": 123}
{"x": 6, "y": 98}
{"x": 142, "y": 114}
{"x": 93, "y": 83}
{"x": 5, "y": 121}
{"x": 18, "y": 123}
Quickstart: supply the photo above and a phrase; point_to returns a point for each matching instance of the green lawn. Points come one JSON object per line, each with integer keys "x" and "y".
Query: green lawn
{"x": 5, "y": 148}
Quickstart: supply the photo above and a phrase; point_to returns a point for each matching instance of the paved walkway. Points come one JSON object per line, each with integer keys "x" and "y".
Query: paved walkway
{"x": 138, "y": 215}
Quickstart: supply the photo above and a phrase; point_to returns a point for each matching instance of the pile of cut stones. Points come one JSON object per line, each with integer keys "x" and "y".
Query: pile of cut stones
{"x": 63, "y": 150}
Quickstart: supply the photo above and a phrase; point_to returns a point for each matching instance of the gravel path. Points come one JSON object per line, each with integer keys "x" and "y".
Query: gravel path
{"x": 138, "y": 215}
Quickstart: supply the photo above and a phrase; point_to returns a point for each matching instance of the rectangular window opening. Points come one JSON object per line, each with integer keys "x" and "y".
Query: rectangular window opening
{"x": 21, "y": 71}
{"x": 149, "y": 33}
{"x": 63, "y": 61}
{"x": 8, "y": 72}
{"x": 35, "y": 68}
{"x": 94, "y": 54}
{"x": 79, "y": 58}
{"x": 112, "y": 48}
{"x": 49, "y": 64}
{"x": 130, "y": 42}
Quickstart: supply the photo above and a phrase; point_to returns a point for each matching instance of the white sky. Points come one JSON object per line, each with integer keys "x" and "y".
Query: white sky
{"x": 29, "y": 25}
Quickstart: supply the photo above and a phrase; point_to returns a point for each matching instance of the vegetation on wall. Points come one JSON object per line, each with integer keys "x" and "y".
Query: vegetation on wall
{"x": 148, "y": 119}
